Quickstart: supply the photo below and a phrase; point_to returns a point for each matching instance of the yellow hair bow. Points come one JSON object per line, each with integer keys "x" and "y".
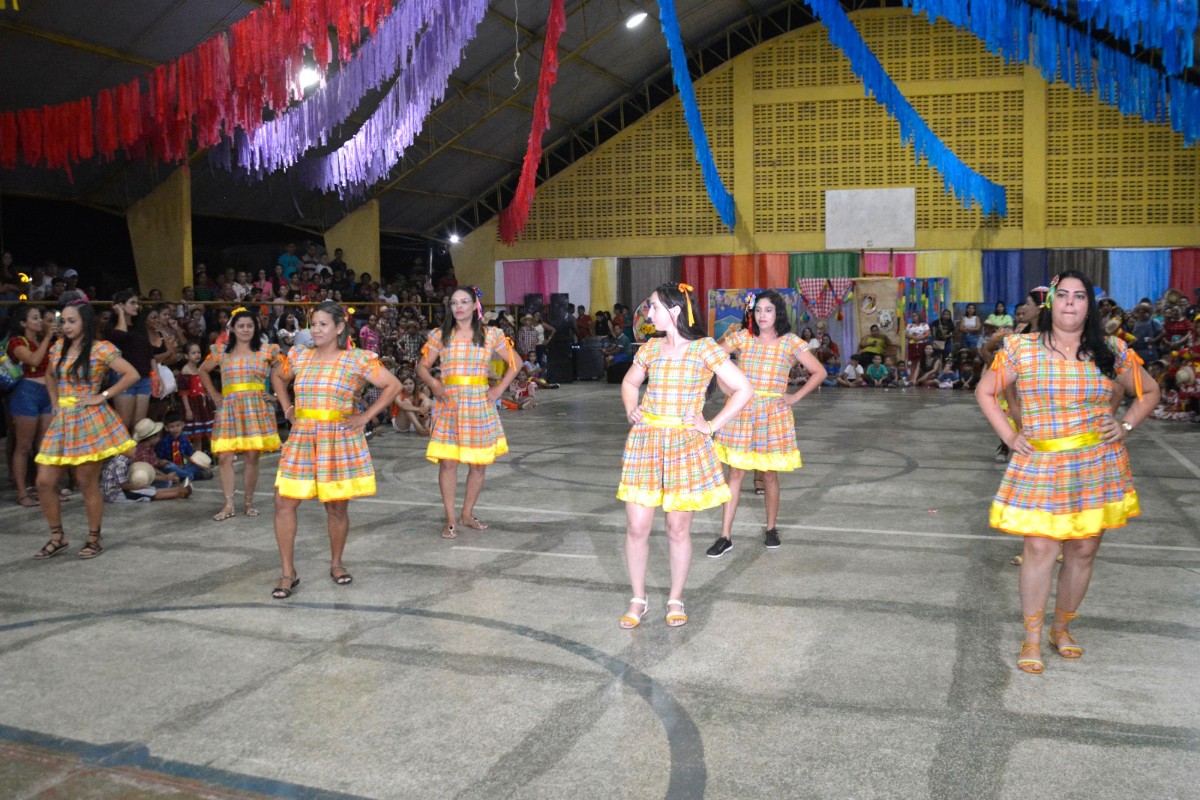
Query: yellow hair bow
{"x": 683, "y": 287}
{"x": 238, "y": 310}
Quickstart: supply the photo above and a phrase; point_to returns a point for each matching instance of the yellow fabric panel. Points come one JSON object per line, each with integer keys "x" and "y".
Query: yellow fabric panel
{"x": 160, "y": 230}
{"x": 604, "y": 284}
{"x": 964, "y": 268}
{"x": 358, "y": 235}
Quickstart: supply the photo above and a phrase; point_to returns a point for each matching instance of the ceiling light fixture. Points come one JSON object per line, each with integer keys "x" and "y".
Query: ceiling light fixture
{"x": 635, "y": 19}
{"x": 309, "y": 78}
{"x": 454, "y": 238}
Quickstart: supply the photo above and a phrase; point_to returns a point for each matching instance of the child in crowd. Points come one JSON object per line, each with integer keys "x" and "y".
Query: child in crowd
{"x": 116, "y": 486}
{"x": 852, "y": 375}
{"x": 198, "y": 409}
{"x": 519, "y": 396}
{"x": 176, "y": 451}
{"x": 833, "y": 371}
{"x": 534, "y": 369}
{"x": 877, "y": 374}
{"x": 968, "y": 377}
{"x": 903, "y": 376}
{"x": 948, "y": 376}
{"x": 411, "y": 410}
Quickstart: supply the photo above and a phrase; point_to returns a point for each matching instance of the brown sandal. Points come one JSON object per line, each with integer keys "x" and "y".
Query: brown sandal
{"x": 92, "y": 546}
{"x": 448, "y": 532}
{"x": 58, "y": 542}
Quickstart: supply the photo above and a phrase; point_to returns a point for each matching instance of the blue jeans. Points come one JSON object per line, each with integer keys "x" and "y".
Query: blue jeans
{"x": 186, "y": 471}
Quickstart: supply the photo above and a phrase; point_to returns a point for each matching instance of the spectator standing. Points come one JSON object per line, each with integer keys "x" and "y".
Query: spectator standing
{"x": 970, "y": 328}
{"x": 583, "y": 324}
{"x": 30, "y": 336}
{"x": 289, "y": 261}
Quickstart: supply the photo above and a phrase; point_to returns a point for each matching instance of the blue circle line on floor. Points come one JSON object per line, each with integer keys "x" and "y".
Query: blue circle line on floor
{"x": 688, "y": 775}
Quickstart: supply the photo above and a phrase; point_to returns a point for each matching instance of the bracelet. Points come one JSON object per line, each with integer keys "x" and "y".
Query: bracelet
{"x": 711, "y": 432}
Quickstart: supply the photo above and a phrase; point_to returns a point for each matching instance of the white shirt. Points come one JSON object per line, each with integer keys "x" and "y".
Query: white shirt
{"x": 853, "y": 372}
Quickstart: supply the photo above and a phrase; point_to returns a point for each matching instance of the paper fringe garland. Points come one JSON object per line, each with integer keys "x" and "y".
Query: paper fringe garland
{"x": 721, "y": 199}
{"x": 957, "y": 178}
{"x": 513, "y": 218}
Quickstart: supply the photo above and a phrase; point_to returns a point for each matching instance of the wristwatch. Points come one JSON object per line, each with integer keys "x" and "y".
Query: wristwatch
{"x": 104, "y": 394}
{"x": 1128, "y": 428}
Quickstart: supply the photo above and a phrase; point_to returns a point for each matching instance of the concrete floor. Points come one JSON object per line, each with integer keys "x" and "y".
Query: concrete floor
{"x": 871, "y": 656}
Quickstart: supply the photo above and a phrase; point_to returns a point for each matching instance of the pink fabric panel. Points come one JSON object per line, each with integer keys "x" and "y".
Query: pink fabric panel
{"x": 539, "y": 276}
{"x": 704, "y": 273}
{"x": 876, "y": 264}
{"x": 904, "y": 265}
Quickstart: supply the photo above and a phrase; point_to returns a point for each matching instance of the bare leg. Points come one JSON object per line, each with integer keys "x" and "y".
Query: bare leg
{"x": 448, "y": 483}
{"x": 25, "y": 429}
{"x": 250, "y": 481}
{"x": 639, "y": 520}
{"x": 1079, "y": 558}
{"x": 771, "y": 479}
{"x": 730, "y": 510}
{"x": 88, "y": 475}
{"x": 141, "y": 408}
{"x": 679, "y": 546}
{"x": 337, "y": 522}
{"x": 475, "y": 473}
{"x": 285, "y": 532}
{"x": 1037, "y": 572}
{"x": 125, "y": 405}
{"x": 225, "y": 462}
{"x": 48, "y": 499}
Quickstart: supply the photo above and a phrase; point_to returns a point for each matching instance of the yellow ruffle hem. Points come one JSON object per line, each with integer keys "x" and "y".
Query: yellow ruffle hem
{"x": 326, "y": 491}
{"x": 767, "y": 462}
{"x": 1079, "y": 525}
{"x": 674, "y": 501}
{"x": 466, "y": 455}
{"x": 242, "y": 444}
{"x": 70, "y": 461}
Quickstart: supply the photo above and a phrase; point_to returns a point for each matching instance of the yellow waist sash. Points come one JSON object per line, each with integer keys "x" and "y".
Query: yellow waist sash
{"x": 320, "y": 414}
{"x": 763, "y": 393}
{"x": 465, "y": 380}
{"x": 243, "y": 387}
{"x": 658, "y": 421}
{"x": 1065, "y": 442}
{"x": 67, "y": 402}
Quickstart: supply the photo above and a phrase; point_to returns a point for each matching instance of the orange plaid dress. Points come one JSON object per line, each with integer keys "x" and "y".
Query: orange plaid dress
{"x": 665, "y": 463}
{"x": 322, "y": 459}
{"x": 246, "y": 420}
{"x": 1084, "y": 486}
{"x": 763, "y": 435}
{"x": 79, "y": 434}
{"x": 466, "y": 427}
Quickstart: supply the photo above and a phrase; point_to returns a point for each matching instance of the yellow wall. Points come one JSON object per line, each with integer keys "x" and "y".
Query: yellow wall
{"x": 788, "y": 120}
{"x": 160, "y": 230}
{"x": 358, "y": 235}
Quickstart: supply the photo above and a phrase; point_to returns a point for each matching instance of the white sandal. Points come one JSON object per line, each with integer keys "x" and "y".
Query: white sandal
{"x": 676, "y": 618}
{"x": 628, "y": 621}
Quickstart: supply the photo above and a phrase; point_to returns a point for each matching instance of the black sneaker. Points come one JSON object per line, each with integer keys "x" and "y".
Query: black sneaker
{"x": 720, "y": 547}
{"x": 772, "y": 539}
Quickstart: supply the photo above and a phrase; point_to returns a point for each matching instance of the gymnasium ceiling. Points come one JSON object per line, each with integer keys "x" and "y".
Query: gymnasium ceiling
{"x": 463, "y": 167}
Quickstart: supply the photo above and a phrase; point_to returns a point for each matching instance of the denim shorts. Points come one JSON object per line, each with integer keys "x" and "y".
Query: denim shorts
{"x": 29, "y": 399}
{"x": 141, "y": 387}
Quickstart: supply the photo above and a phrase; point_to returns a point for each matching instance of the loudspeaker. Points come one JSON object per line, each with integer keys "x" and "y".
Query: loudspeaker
{"x": 589, "y": 363}
{"x": 558, "y": 309}
{"x": 534, "y": 304}
{"x": 560, "y": 360}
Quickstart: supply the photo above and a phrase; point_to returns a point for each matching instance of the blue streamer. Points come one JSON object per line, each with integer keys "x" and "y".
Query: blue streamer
{"x": 1061, "y": 52}
{"x": 1166, "y": 25}
{"x": 957, "y": 178}
{"x": 721, "y": 199}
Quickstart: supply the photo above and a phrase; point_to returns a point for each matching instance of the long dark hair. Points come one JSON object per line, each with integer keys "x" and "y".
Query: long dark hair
{"x": 782, "y": 325}
{"x": 18, "y": 316}
{"x": 478, "y": 335}
{"x": 81, "y": 367}
{"x": 672, "y": 296}
{"x": 256, "y": 340}
{"x": 138, "y": 323}
{"x": 1093, "y": 344}
{"x": 338, "y": 314}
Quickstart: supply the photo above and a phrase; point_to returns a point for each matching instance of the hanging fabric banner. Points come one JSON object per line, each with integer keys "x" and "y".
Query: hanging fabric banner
{"x": 512, "y": 219}
{"x": 822, "y": 296}
{"x": 721, "y": 199}
{"x": 957, "y": 178}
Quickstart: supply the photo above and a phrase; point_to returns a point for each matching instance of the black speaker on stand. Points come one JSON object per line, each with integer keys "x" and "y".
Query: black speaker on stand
{"x": 560, "y": 359}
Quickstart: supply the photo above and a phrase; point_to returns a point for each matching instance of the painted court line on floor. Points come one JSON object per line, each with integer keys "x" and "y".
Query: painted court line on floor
{"x": 522, "y": 552}
{"x": 1178, "y": 456}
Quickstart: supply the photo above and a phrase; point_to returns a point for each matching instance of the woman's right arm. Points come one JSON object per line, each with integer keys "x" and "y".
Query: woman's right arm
{"x": 631, "y": 387}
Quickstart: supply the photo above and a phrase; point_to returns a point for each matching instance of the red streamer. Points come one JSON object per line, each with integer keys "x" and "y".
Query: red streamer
{"x": 223, "y": 83}
{"x": 513, "y": 218}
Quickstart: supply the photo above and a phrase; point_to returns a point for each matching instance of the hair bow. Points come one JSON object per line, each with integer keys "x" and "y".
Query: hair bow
{"x": 238, "y": 310}
{"x": 1049, "y": 301}
{"x": 478, "y": 301}
{"x": 683, "y": 287}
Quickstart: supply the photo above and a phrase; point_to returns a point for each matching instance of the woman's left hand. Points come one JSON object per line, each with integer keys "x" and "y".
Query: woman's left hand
{"x": 699, "y": 424}
{"x": 1111, "y": 430}
{"x": 355, "y": 422}
{"x": 494, "y": 393}
{"x": 93, "y": 400}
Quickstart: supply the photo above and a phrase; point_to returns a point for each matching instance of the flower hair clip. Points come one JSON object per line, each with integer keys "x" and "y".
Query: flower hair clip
{"x": 1049, "y": 301}
{"x": 478, "y": 301}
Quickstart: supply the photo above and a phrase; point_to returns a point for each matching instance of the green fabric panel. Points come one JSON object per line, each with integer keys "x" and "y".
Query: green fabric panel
{"x": 822, "y": 265}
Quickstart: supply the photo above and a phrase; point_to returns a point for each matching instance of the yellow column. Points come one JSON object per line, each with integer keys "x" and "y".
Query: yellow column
{"x": 475, "y": 259}
{"x": 160, "y": 230}
{"x": 358, "y": 236}
{"x": 743, "y": 155}
{"x": 1034, "y": 142}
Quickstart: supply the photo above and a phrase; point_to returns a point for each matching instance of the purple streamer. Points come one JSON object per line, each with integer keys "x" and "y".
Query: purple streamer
{"x": 278, "y": 144}
{"x": 370, "y": 154}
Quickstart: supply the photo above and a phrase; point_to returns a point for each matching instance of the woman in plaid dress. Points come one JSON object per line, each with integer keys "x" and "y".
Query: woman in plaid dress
{"x": 669, "y": 459}
{"x": 326, "y": 453}
{"x": 763, "y": 436}
{"x": 84, "y": 430}
{"x": 245, "y": 418}
{"x": 466, "y": 428}
{"x": 1068, "y": 480}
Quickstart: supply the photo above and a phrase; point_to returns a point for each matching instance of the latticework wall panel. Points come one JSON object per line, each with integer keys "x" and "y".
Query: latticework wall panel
{"x": 646, "y": 182}
{"x": 1106, "y": 169}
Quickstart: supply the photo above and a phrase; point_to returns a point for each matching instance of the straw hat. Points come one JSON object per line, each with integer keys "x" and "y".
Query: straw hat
{"x": 145, "y": 429}
{"x": 1112, "y": 326}
{"x": 1185, "y": 376}
{"x": 201, "y": 460}
{"x": 141, "y": 475}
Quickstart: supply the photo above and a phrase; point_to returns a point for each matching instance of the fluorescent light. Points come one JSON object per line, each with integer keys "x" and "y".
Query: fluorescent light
{"x": 636, "y": 19}
{"x": 454, "y": 238}
{"x": 309, "y": 77}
